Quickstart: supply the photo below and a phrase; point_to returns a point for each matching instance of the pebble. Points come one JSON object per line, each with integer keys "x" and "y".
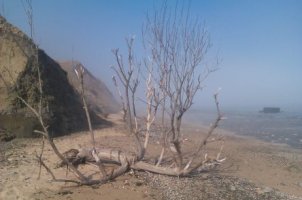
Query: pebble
{"x": 267, "y": 189}
{"x": 65, "y": 192}
{"x": 126, "y": 182}
{"x": 283, "y": 184}
{"x": 300, "y": 184}
{"x": 232, "y": 188}
{"x": 139, "y": 183}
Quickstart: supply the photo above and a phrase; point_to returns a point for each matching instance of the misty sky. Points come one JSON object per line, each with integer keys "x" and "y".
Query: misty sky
{"x": 258, "y": 41}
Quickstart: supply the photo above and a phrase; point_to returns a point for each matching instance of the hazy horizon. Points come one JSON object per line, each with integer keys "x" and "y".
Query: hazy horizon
{"x": 259, "y": 43}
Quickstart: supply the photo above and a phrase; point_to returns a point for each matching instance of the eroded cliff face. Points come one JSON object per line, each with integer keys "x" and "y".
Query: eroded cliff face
{"x": 15, "y": 48}
{"x": 99, "y": 97}
{"x": 62, "y": 107}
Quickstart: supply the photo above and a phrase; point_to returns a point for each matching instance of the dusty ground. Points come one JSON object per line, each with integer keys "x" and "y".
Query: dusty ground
{"x": 265, "y": 164}
{"x": 253, "y": 170}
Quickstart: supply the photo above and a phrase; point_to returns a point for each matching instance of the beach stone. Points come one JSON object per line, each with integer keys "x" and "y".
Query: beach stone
{"x": 267, "y": 190}
{"x": 65, "y": 192}
{"x": 232, "y": 188}
{"x": 126, "y": 182}
{"x": 300, "y": 184}
{"x": 139, "y": 183}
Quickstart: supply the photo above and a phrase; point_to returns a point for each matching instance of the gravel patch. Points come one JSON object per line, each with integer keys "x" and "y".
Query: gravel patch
{"x": 211, "y": 186}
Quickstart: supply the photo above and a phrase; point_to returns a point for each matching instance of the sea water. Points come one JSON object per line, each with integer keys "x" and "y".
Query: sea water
{"x": 284, "y": 127}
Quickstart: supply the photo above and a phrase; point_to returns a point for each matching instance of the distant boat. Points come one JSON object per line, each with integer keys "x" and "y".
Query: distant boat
{"x": 271, "y": 110}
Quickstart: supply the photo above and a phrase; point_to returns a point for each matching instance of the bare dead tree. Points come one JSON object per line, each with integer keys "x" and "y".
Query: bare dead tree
{"x": 178, "y": 46}
{"x": 37, "y": 109}
{"x": 2, "y": 10}
{"x": 79, "y": 70}
{"x": 121, "y": 97}
{"x": 28, "y": 8}
{"x": 128, "y": 77}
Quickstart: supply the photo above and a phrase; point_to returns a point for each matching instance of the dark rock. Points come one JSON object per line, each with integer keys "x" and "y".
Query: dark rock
{"x": 65, "y": 192}
{"x": 139, "y": 183}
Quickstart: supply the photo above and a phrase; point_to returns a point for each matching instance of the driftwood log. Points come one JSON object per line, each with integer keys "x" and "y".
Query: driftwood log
{"x": 128, "y": 161}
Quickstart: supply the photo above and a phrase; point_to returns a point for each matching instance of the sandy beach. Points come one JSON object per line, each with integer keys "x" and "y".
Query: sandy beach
{"x": 253, "y": 168}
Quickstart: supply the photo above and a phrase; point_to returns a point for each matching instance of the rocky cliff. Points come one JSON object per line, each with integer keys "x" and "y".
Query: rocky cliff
{"x": 62, "y": 107}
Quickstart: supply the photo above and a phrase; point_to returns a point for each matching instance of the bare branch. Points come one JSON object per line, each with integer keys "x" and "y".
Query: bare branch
{"x": 210, "y": 132}
{"x": 121, "y": 97}
{"x": 80, "y": 74}
{"x": 130, "y": 82}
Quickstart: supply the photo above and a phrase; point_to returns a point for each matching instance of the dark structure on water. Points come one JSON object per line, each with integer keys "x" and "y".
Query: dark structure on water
{"x": 271, "y": 110}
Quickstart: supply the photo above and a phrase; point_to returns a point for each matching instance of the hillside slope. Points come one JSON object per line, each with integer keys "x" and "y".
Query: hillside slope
{"x": 99, "y": 98}
{"x": 62, "y": 107}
